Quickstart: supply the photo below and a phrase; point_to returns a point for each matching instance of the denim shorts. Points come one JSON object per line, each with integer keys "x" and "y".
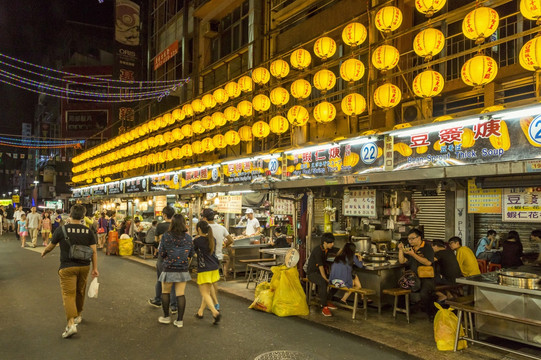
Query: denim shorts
{"x": 174, "y": 277}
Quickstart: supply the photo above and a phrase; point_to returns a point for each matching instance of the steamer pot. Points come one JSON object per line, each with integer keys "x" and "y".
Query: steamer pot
{"x": 522, "y": 280}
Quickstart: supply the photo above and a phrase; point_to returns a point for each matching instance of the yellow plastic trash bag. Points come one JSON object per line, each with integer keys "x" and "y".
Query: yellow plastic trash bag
{"x": 263, "y": 297}
{"x": 289, "y": 298}
{"x": 445, "y": 323}
{"x": 125, "y": 247}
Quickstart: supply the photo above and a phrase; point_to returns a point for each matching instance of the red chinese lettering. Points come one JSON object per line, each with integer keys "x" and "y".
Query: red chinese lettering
{"x": 486, "y": 129}
{"x": 334, "y": 152}
{"x": 419, "y": 140}
{"x": 306, "y": 157}
{"x": 450, "y": 135}
{"x": 320, "y": 157}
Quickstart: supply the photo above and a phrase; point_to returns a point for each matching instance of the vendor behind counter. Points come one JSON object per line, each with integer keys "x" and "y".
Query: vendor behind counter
{"x": 252, "y": 224}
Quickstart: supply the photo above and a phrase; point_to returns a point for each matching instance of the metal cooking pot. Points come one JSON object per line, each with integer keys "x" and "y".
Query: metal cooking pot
{"x": 376, "y": 258}
{"x": 362, "y": 243}
{"x": 522, "y": 280}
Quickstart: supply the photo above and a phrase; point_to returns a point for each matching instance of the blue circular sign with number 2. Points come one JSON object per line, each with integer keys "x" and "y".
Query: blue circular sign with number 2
{"x": 369, "y": 153}
{"x": 534, "y": 130}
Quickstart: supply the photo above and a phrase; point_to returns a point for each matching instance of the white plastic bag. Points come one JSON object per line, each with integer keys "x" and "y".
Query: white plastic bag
{"x": 93, "y": 288}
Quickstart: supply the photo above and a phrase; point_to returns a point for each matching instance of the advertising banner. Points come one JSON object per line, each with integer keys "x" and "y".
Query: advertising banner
{"x": 135, "y": 185}
{"x": 164, "y": 182}
{"x": 115, "y": 188}
{"x": 76, "y": 193}
{"x": 522, "y": 205}
{"x": 204, "y": 176}
{"x": 483, "y": 201}
{"x": 245, "y": 171}
{"x": 99, "y": 190}
{"x": 86, "y": 192}
{"x": 230, "y": 204}
{"x": 166, "y": 55}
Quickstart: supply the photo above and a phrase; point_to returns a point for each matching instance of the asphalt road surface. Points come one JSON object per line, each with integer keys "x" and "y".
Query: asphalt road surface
{"x": 121, "y": 325}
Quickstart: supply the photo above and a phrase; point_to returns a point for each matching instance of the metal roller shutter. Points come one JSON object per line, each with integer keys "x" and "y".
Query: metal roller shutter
{"x": 432, "y": 214}
{"x": 485, "y": 222}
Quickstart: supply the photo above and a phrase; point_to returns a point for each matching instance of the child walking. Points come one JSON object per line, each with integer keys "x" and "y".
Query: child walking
{"x": 22, "y": 230}
{"x": 342, "y": 270}
{"x": 46, "y": 228}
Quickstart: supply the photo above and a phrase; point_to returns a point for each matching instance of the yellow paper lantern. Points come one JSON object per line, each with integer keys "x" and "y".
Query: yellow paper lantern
{"x": 197, "y": 147}
{"x": 178, "y": 115}
{"x": 531, "y": 9}
{"x": 207, "y": 144}
{"x": 300, "y": 59}
{"x": 207, "y": 122}
{"x": 261, "y": 76}
{"x": 197, "y": 127}
{"x": 324, "y": 48}
{"x": 141, "y": 131}
{"x": 151, "y": 142}
{"x": 169, "y": 119}
{"x": 245, "y": 133}
{"x": 279, "y": 69}
{"x": 324, "y": 112}
{"x": 479, "y": 70}
{"x": 261, "y": 129}
{"x": 177, "y": 134}
{"x": 160, "y": 122}
{"x": 261, "y": 102}
{"x": 209, "y": 101}
{"x": 385, "y": 57}
{"x": 354, "y": 34}
{"x": 220, "y": 95}
{"x": 187, "y": 110}
{"x": 198, "y": 106}
{"x": 353, "y": 104}
{"x": 186, "y": 130}
{"x": 168, "y": 137}
{"x": 233, "y": 89}
{"x": 161, "y": 157}
{"x": 493, "y": 108}
{"x": 387, "y": 96}
{"x": 177, "y": 153}
{"x": 428, "y": 43}
{"x": 218, "y": 118}
{"x": 324, "y": 80}
{"x": 245, "y": 84}
{"x": 232, "y": 114}
{"x": 186, "y": 150}
{"x": 429, "y": 7}
{"x": 480, "y": 23}
{"x": 298, "y": 115}
{"x": 168, "y": 155}
{"x": 219, "y": 141}
{"x": 159, "y": 140}
{"x": 245, "y": 108}
{"x": 443, "y": 118}
{"x": 279, "y": 96}
{"x": 530, "y": 55}
{"x": 301, "y": 89}
{"x": 428, "y": 84}
{"x": 352, "y": 70}
{"x": 388, "y": 18}
{"x": 232, "y": 138}
{"x": 279, "y": 125}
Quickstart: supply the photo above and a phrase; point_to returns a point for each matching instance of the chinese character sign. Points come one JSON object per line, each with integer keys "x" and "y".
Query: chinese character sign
{"x": 284, "y": 207}
{"x": 521, "y": 205}
{"x": 230, "y": 204}
{"x": 483, "y": 201}
{"x": 360, "y": 203}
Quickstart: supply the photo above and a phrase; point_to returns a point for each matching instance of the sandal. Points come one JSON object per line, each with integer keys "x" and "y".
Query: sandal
{"x": 198, "y": 316}
{"x": 217, "y": 319}
{"x": 343, "y": 302}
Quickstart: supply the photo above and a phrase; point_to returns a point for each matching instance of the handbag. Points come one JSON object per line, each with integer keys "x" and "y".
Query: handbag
{"x": 78, "y": 252}
{"x": 410, "y": 281}
{"x": 425, "y": 271}
{"x": 101, "y": 230}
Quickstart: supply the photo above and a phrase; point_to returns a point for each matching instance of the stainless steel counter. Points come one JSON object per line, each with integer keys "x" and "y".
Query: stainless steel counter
{"x": 378, "y": 278}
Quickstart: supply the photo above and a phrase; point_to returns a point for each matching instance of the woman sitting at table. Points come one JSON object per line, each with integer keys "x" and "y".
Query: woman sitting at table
{"x": 342, "y": 270}
{"x": 280, "y": 240}
{"x": 512, "y": 250}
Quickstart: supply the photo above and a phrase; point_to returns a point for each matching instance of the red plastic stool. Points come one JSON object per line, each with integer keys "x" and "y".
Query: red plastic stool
{"x": 482, "y": 265}
{"x": 493, "y": 267}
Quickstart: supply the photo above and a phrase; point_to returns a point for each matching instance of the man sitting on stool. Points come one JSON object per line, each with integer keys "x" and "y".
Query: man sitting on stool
{"x": 316, "y": 273}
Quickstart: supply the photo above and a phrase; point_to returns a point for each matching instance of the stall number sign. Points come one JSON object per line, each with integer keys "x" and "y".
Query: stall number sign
{"x": 360, "y": 203}
{"x": 230, "y": 204}
{"x": 522, "y": 205}
{"x": 483, "y": 201}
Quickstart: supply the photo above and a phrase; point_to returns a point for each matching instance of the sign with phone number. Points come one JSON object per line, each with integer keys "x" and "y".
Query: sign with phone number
{"x": 521, "y": 205}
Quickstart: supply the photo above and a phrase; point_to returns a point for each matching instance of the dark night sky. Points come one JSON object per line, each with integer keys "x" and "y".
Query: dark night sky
{"x": 28, "y": 28}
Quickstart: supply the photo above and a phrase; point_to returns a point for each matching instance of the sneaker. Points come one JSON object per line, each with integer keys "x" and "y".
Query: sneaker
{"x": 325, "y": 311}
{"x": 78, "y": 320}
{"x": 69, "y": 331}
{"x": 178, "y": 324}
{"x": 217, "y": 307}
{"x": 164, "y": 320}
{"x": 155, "y": 303}
{"x": 331, "y": 306}
{"x": 173, "y": 310}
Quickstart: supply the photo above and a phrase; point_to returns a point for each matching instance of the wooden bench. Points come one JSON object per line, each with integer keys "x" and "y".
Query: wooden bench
{"x": 261, "y": 274}
{"x": 254, "y": 261}
{"x": 142, "y": 249}
{"x": 364, "y": 294}
{"x": 397, "y": 292}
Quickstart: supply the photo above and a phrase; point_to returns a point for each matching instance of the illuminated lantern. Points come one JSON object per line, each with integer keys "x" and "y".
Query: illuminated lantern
{"x": 187, "y": 110}
{"x": 198, "y": 106}
{"x": 140, "y": 131}
{"x": 480, "y": 23}
{"x": 197, "y": 147}
{"x": 354, "y": 34}
{"x": 197, "y": 127}
{"x": 298, "y": 115}
{"x": 324, "y": 112}
{"x": 479, "y": 70}
{"x": 245, "y": 133}
{"x": 353, "y": 104}
{"x": 186, "y": 150}
{"x": 218, "y": 118}
{"x": 178, "y": 115}
{"x": 207, "y": 123}
{"x": 169, "y": 119}
{"x": 261, "y": 129}
{"x": 219, "y": 141}
{"x": 207, "y": 144}
{"x": 232, "y": 114}
{"x": 301, "y": 89}
{"x": 493, "y": 108}
{"x": 168, "y": 155}
{"x": 168, "y": 137}
{"x": 387, "y": 96}
{"x": 134, "y": 134}
{"x": 428, "y": 84}
{"x": 220, "y": 95}
{"x": 443, "y": 118}
{"x": 279, "y": 96}
{"x": 261, "y": 102}
{"x": 151, "y": 142}
{"x": 261, "y": 76}
{"x": 428, "y": 43}
{"x": 162, "y": 122}
{"x": 324, "y": 80}
{"x": 245, "y": 108}
{"x": 186, "y": 130}
{"x": 352, "y": 70}
{"x": 159, "y": 140}
{"x": 279, "y": 69}
{"x": 161, "y": 157}
{"x": 300, "y": 59}
{"x": 245, "y": 84}
{"x": 531, "y": 9}
{"x": 232, "y": 138}
{"x": 530, "y": 55}
{"x": 232, "y": 89}
{"x": 278, "y": 125}
{"x": 429, "y": 7}
{"x": 324, "y": 48}
{"x": 388, "y": 19}
{"x": 177, "y": 134}
{"x": 385, "y": 57}
{"x": 209, "y": 101}
{"x": 177, "y": 153}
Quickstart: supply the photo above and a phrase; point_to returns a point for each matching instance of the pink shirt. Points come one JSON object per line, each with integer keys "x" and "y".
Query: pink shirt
{"x": 46, "y": 224}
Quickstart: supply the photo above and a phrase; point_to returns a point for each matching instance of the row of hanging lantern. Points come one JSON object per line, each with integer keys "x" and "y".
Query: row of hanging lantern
{"x": 530, "y": 53}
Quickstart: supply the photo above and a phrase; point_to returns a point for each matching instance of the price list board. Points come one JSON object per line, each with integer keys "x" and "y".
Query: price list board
{"x": 483, "y": 201}
{"x": 360, "y": 203}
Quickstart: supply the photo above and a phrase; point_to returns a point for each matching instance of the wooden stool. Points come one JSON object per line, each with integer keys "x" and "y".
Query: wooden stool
{"x": 364, "y": 295}
{"x": 396, "y": 293}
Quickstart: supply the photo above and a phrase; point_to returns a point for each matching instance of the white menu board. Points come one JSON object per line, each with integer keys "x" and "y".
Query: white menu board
{"x": 360, "y": 203}
{"x": 521, "y": 205}
{"x": 284, "y": 207}
{"x": 230, "y": 204}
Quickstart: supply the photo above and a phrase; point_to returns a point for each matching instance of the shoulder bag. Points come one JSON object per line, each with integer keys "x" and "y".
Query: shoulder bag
{"x": 78, "y": 252}
{"x": 425, "y": 271}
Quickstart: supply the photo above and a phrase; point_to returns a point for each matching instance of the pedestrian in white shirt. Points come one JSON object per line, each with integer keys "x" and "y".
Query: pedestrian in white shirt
{"x": 252, "y": 224}
{"x": 17, "y": 217}
{"x": 33, "y": 224}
